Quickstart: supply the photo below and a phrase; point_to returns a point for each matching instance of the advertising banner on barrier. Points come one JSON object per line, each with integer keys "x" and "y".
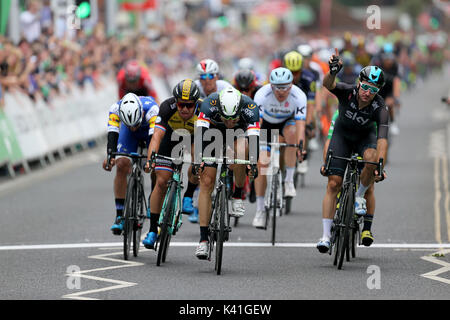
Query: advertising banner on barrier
{"x": 9, "y": 146}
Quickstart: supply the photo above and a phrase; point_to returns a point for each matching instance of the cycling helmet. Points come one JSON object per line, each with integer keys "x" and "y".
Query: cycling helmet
{"x": 373, "y": 75}
{"x": 281, "y": 76}
{"x": 131, "y": 110}
{"x": 348, "y": 59}
{"x": 246, "y": 63}
{"x": 186, "y": 90}
{"x": 229, "y": 102}
{"x": 208, "y": 66}
{"x": 305, "y": 50}
{"x": 245, "y": 79}
{"x": 132, "y": 71}
{"x": 293, "y": 61}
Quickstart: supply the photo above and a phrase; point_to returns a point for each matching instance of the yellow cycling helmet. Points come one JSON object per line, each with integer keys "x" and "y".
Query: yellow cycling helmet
{"x": 293, "y": 61}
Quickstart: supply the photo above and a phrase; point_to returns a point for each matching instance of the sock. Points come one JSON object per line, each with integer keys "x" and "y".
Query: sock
{"x": 361, "y": 190}
{"x": 154, "y": 219}
{"x": 289, "y": 175}
{"x": 237, "y": 193}
{"x": 120, "y": 204}
{"x": 204, "y": 234}
{"x": 190, "y": 190}
{"x": 260, "y": 203}
{"x": 327, "y": 227}
{"x": 368, "y": 219}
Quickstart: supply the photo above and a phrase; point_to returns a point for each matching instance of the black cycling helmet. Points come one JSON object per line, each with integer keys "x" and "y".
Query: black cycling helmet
{"x": 186, "y": 90}
{"x": 245, "y": 79}
{"x": 373, "y": 75}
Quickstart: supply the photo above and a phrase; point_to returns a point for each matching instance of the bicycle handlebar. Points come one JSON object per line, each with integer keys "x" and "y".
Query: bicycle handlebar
{"x": 227, "y": 160}
{"x": 354, "y": 159}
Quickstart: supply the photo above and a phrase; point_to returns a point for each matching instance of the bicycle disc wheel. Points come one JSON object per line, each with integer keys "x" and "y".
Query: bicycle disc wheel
{"x": 220, "y": 232}
{"x": 129, "y": 214}
{"x": 167, "y": 221}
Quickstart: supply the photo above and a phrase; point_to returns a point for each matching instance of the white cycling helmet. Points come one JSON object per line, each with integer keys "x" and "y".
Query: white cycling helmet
{"x": 281, "y": 76}
{"x": 131, "y": 110}
{"x": 229, "y": 102}
{"x": 246, "y": 63}
{"x": 305, "y": 50}
{"x": 208, "y": 66}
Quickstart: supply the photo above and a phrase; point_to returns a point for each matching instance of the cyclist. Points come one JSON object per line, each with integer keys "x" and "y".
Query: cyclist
{"x": 131, "y": 120}
{"x": 391, "y": 91}
{"x": 135, "y": 79}
{"x": 176, "y": 118}
{"x": 248, "y": 63}
{"x": 350, "y": 72}
{"x": 208, "y": 83}
{"x": 228, "y": 112}
{"x": 305, "y": 80}
{"x": 245, "y": 81}
{"x": 283, "y": 108}
{"x": 354, "y": 130}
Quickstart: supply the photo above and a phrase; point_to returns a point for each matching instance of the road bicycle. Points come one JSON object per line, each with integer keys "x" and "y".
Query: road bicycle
{"x": 219, "y": 226}
{"x": 346, "y": 224}
{"x": 275, "y": 201}
{"x": 170, "y": 219}
{"x": 135, "y": 207}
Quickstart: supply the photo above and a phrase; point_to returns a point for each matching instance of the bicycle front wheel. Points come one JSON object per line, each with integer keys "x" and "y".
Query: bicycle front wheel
{"x": 138, "y": 222}
{"x": 275, "y": 182}
{"x": 346, "y": 229}
{"x": 221, "y": 212}
{"x": 129, "y": 216}
{"x": 165, "y": 235}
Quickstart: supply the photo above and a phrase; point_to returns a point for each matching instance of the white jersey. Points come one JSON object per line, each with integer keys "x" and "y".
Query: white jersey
{"x": 275, "y": 112}
{"x": 221, "y": 85}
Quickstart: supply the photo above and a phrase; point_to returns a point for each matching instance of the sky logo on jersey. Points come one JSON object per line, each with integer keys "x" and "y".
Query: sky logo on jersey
{"x": 354, "y": 117}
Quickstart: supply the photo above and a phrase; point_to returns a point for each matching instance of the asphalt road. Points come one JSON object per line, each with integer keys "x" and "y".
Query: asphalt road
{"x": 56, "y": 221}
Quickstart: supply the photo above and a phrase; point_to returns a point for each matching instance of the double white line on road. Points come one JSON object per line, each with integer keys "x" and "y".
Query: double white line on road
{"x": 439, "y": 150}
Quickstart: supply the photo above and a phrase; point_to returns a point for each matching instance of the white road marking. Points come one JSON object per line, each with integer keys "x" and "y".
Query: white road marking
{"x": 118, "y": 283}
{"x": 228, "y": 244}
{"x": 434, "y": 275}
{"x": 437, "y": 200}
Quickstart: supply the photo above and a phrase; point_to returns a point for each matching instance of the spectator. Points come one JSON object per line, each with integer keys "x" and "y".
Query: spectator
{"x": 30, "y": 21}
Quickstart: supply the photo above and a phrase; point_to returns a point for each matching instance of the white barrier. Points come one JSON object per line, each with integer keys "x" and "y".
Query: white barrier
{"x": 44, "y": 128}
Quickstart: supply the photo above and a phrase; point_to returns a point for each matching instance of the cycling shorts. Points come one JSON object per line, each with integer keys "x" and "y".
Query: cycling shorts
{"x": 129, "y": 141}
{"x": 269, "y": 129}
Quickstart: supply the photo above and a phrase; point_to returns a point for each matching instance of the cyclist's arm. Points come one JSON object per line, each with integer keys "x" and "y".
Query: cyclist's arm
{"x": 113, "y": 128}
{"x": 329, "y": 81}
{"x": 382, "y": 120}
{"x": 155, "y": 142}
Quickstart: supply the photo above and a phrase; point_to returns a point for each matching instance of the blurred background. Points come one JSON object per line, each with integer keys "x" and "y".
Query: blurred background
{"x": 52, "y": 48}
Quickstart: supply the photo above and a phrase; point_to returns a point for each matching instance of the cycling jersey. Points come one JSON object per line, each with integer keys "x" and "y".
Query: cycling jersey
{"x": 354, "y": 120}
{"x": 221, "y": 85}
{"x": 273, "y": 111}
{"x": 128, "y": 140}
{"x": 144, "y": 88}
{"x": 308, "y": 85}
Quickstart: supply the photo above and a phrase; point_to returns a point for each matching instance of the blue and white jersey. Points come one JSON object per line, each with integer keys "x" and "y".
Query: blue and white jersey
{"x": 273, "y": 111}
{"x": 151, "y": 110}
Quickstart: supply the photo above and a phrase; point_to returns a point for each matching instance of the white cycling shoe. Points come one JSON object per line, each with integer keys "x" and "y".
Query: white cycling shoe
{"x": 302, "y": 168}
{"x": 259, "y": 222}
{"x": 202, "y": 250}
{"x": 289, "y": 190}
{"x": 360, "y": 206}
{"x": 237, "y": 208}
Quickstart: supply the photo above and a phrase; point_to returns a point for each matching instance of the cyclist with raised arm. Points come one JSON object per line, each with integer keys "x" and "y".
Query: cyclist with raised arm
{"x": 235, "y": 117}
{"x": 282, "y": 108}
{"x": 362, "y": 126}
{"x": 209, "y": 82}
{"x": 131, "y": 120}
{"x": 134, "y": 78}
{"x": 176, "y": 121}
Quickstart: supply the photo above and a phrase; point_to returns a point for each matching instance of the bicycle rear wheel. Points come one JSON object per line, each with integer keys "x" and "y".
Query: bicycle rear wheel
{"x": 274, "y": 205}
{"x": 129, "y": 215}
{"x": 165, "y": 226}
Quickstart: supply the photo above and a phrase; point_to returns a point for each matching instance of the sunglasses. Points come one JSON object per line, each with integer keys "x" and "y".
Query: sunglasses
{"x": 208, "y": 76}
{"x": 284, "y": 87}
{"x": 183, "y": 105}
{"x": 366, "y": 87}
{"x": 235, "y": 118}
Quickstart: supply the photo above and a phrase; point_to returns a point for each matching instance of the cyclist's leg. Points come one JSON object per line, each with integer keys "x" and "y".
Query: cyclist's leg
{"x": 290, "y": 154}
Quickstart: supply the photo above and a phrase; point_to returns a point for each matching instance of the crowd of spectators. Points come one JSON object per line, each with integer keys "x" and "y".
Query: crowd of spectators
{"x": 44, "y": 64}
